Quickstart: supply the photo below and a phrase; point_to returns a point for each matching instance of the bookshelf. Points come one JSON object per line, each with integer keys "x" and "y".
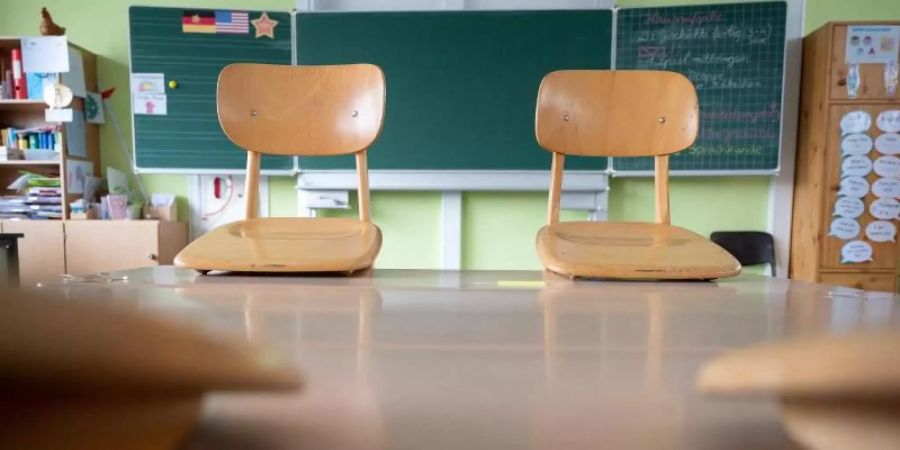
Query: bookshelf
{"x": 24, "y": 114}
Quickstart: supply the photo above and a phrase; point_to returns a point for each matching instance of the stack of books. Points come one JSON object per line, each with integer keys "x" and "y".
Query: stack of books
{"x": 14, "y": 207}
{"x": 40, "y": 197}
{"x": 44, "y": 202}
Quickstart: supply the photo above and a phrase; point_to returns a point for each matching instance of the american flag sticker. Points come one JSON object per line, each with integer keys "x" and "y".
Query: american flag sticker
{"x": 232, "y": 22}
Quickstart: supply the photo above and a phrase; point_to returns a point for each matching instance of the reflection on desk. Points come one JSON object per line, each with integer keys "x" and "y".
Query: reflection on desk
{"x": 429, "y": 359}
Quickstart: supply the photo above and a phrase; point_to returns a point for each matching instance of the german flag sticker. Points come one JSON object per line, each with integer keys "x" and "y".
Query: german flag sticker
{"x": 198, "y": 22}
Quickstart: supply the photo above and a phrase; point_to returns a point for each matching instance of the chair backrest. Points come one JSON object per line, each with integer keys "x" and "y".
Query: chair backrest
{"x": 616, "y": 113}
{"x": 301, "y": 110}
{"x": 748, "y": 247}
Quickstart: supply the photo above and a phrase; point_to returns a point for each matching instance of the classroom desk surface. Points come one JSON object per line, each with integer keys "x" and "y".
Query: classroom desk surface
{"x": 398, "y": 359}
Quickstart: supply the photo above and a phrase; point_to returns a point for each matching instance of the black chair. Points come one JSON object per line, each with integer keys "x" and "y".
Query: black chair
{"x": 749, "y": 247}
{"x": 9, "y": 250}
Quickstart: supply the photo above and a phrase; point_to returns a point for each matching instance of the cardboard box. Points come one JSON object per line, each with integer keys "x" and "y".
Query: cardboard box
{"x": 163, "y": 213}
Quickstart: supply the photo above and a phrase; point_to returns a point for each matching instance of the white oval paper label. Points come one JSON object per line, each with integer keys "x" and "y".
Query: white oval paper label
{"x": 885, "y": 209}
{"x": 889, "y": 121}
{"x": 856, "y": 144}
{"x": 887, "y": 166}
{"x": 888, "y": 143}
{"x": 856, "y": 252}
{"x": 844, "y": 228}
{"x": 886, "y": 188}
{"x": 849, "y": 207}
{"x": 881, "y": 231}
{"x": 856, "y": 166}
{"x": 854, "y": 187}
{"x": 855, "y": 122}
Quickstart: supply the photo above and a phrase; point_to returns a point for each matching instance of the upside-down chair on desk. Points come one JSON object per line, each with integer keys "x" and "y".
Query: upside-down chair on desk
{"x": 622, "y": 113}
{"x": 295, "y": 110}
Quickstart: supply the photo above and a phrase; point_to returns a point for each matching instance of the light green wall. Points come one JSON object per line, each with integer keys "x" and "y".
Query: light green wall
{"x": 820, "y": 11}
{"x": 498, "y": 228}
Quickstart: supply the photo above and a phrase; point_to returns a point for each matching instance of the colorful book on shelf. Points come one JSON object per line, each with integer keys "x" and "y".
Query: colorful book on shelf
{"x": 31, "y": 138}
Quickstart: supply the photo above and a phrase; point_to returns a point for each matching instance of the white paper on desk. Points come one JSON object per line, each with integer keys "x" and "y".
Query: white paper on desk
{"x": 45, "y": 54}
{"x": 74, "y": 79}
{"x": 147, "y": 83}
{"x": 58, "y": 114}
{"x": 161, "y": 200}
{"x": 149, "y": 104}
{"x": 76, "y": 175}
{"x": 75, "y": 139}
{"x": 116, "y": 181}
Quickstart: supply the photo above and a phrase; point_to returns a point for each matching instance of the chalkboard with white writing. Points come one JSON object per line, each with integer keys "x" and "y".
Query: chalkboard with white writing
{"x": 734, "y": 54}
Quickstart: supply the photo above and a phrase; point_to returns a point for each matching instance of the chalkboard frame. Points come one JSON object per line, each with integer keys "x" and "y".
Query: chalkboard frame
{"x": 467, "y": 179}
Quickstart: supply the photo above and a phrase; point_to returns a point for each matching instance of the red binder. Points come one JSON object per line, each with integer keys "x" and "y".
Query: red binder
{"x": 19, "y": 88}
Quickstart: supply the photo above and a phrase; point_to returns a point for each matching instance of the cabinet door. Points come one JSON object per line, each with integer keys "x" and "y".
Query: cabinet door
{"x": 884, "y": 254}
{"x": 103, "y": 245}
{"x": 41, "y": 254}
{"x": 871, "y": 76}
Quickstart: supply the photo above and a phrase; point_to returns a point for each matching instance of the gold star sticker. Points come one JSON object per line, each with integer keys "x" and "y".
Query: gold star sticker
{"x": 264, "y": 26}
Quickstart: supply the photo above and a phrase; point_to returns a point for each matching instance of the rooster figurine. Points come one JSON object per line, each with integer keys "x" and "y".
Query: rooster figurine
{"x": 48, "y": 28}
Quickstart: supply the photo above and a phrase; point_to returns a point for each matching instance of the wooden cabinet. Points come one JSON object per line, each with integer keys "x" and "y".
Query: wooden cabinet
{"x": 104, "y": 245}
{"x": 824, "y": 102}
{"x": 41, "y": 250}
{"x": 79, "y": 247}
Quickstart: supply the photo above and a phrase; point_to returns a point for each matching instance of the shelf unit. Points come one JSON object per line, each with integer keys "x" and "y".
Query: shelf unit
{"x": 824, "y": 100}
{"x": 30, "y": 113}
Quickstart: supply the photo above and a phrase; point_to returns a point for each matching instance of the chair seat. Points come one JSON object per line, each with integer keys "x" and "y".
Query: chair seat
{"x": 631, "y": 250}
{"x": 285, "y": 245}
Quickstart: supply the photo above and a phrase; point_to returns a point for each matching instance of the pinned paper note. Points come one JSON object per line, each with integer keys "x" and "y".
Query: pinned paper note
{"x": 886, "y": 188}
{"x": 888, "y": 144}
{"x": 887, "y": 166}
{"x": 881, "y": 231}
{"x": 889, "y": 121}
{"x": 76, "y": 174}
{"x": 885, "y": 209}
{"x": 856, "y": 122}
{"x": 93, "y": 108}
{"x": 856, "y": 144}
{"x": 849, "y": 207}
{"x": 856, "y": 166}
{"x": 844, "y": 228}
{"x": 856, "y": 252}
{"x": 150, "y": 104}
{"x": 852, "y": 80}
{"x": 58, "y": 114}
{"x": 74, "y": 78}
{"x": 45, "y": 54}
{"x": 76, "y": 143}
{"x": 868, "y": 44}
{"x": 148, "y": 83}
{"x": 891, "y": 72}
{"x": 854, "y": 187}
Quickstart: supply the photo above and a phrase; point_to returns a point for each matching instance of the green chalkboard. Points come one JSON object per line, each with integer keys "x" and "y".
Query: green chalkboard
{"x": 461, "y": 86}
{"x": 734, "y": 54}
{"x": 188, "y": 137}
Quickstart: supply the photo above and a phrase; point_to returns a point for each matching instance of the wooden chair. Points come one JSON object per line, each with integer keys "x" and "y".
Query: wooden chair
{"x": 295, "y": 110}
{"x": 622, "y": 113}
